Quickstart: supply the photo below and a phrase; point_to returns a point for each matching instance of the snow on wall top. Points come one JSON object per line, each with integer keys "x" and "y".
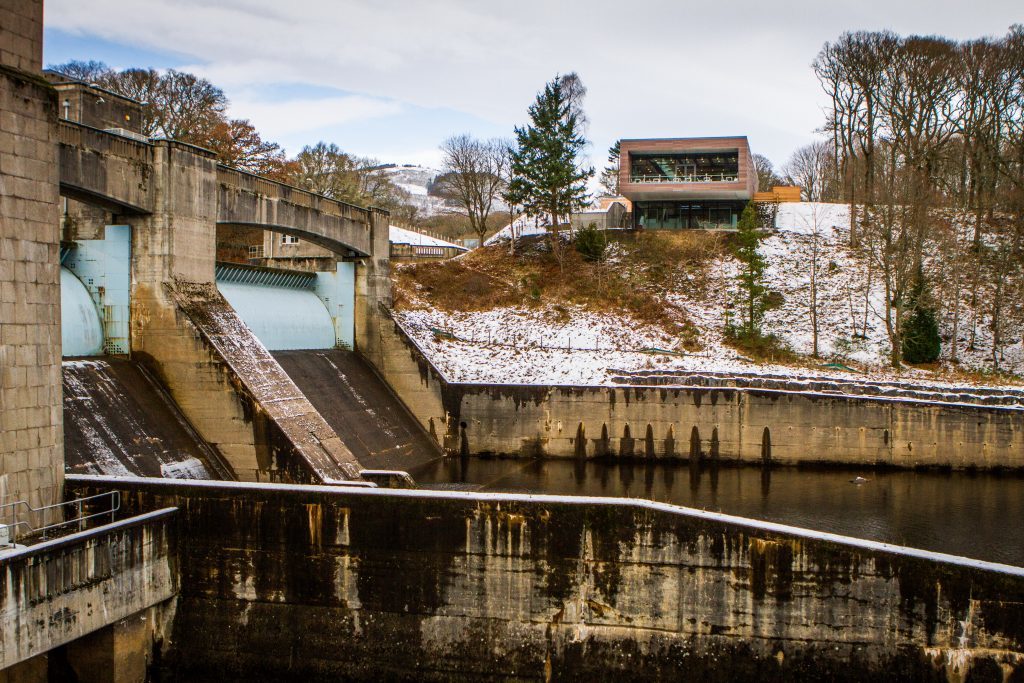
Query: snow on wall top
{"x": 399, "y": 235}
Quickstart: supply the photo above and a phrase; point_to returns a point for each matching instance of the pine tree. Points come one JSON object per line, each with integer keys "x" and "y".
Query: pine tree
{"x": 546, "y": 174}
{"x": 751, "y": 277}
{"x": 920, "y": 329}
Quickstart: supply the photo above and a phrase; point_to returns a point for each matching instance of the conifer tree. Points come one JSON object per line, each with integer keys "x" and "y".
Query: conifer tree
{"x": 920, "y": 329}
{"x": 610, "y": 175}
{"x": 547, "y": 177}
{"x": 752, "y": 266}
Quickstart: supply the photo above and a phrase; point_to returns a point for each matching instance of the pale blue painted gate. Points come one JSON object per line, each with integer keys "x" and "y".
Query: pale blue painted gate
{"x": 290, "y": 310}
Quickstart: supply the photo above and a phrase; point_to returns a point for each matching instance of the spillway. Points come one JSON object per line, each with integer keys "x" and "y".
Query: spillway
{"x": 119, "y": 421}
{"x": 360, "y": 408}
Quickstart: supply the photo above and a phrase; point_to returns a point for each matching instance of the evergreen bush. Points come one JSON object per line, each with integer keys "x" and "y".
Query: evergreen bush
{"x": 591, "y": 242}
{"x": 920, "y": 329}
{"x": 921, "y": 342}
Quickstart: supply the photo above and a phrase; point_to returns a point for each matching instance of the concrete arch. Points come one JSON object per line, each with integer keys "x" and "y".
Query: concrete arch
{"x": 248, "y": 200}
{"x": 331, "y": 244}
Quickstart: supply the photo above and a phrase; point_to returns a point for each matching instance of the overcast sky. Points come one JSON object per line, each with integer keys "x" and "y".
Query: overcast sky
{"x": 392, "y": 78}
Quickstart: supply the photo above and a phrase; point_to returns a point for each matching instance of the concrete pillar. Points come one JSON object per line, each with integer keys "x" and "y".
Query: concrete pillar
{"x": 119, "y": 653}
{"x": 31, "y": 415}
{"x": 373, "y": 288}
{"x": 173, "y": 246}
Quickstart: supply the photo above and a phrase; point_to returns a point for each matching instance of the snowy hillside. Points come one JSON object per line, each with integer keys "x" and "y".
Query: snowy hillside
{"x": 415, "y": 180}
{"x": 516, "y": 338}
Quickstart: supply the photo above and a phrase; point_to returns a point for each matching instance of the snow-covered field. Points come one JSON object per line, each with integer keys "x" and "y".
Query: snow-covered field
{"x": 577, "y": 346}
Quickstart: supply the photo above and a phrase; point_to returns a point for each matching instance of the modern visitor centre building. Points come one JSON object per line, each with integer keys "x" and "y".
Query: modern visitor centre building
{"x": 676, "y": 183}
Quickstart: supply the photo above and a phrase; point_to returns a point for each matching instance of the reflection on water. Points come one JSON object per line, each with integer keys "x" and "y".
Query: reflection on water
{"x": 974, "y": 515}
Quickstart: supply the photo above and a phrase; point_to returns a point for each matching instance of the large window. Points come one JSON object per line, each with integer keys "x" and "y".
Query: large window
{"x": 687, "y": 215}
{"x": 692, "y": 167}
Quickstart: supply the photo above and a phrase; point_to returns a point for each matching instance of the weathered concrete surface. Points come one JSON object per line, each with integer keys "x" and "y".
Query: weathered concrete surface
{"x": 118, "y": 420}
{"x": 120, "y": 653}
{"x": 31, "y": 425}
{"x": 60, "y": 590}
{"x": 373, "y": 288}
{"x": 359, "y": 406}
{"x": 249, "y": 200}
{"x": 744, "y": 424}
{"x": 324, "y": 583}
{"x": 106, "y": 170}
{"x": 293, "y": 441}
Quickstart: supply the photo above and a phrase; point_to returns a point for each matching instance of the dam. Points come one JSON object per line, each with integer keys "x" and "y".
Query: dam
{"x": 214, "y": 470}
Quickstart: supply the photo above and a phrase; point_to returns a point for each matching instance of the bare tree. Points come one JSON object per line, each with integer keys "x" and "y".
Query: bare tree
{"x": 474, "y": 175}
{"x": 575, "y": 92}
{"x": 813, "y": 223}
{"x": 810, "y": 167}
{"x": 767, "y": 178}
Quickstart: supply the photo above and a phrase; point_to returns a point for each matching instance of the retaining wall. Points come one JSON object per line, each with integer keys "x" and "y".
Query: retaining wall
{"x": 58, "y": 591}
{"x": 728, "y": 423}
{"x": 325, "y": 583}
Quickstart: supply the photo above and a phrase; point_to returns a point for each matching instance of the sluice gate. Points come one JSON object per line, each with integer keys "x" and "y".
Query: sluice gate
{"x": 290, "y": 309}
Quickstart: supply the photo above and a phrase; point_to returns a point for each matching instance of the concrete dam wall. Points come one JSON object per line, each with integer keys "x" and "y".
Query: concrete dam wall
{"x": 324, "y": 583}
{"x": 727, "y": 423}
{"x": 361, "y": 408}
{"x": 118, "y": 420}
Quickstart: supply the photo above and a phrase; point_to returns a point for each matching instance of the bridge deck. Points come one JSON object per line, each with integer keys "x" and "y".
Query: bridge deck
{"x": 367, "y": 416}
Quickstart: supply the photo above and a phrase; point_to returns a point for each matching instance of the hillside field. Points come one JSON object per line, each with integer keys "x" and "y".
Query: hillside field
{"x": 661, "y": 301}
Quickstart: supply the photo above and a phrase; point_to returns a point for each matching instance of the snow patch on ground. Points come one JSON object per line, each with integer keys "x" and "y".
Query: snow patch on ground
{"x": 572, "y": 345}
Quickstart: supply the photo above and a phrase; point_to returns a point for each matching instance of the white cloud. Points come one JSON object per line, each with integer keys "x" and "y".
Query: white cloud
{"x": 282, "y": 118}
{"x": 653, "y": 67}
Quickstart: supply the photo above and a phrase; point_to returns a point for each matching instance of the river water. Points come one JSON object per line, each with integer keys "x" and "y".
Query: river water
{"x": 973, "y": 515}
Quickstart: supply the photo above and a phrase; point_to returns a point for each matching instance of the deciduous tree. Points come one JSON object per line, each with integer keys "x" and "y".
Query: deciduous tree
{"x": 474, "y": 176}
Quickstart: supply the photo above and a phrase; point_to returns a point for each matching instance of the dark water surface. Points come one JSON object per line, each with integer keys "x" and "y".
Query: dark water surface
{"x": 973, "y": 515}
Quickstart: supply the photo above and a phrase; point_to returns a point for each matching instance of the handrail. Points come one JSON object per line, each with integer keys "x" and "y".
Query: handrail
{"x": 79, "y": 519}
{"x": 688, "y": 178}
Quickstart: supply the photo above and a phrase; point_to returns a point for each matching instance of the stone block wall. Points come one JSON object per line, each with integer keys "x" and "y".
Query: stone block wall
{"x": 31, "y": 418}
{"x": 324, "y": 583}
{"x": 21, "y": 34}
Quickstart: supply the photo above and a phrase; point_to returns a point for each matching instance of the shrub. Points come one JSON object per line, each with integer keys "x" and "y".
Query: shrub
{"x": 921, "y": 343}
{"x": 920, "y": 329}
{"x": 591, "y": 243}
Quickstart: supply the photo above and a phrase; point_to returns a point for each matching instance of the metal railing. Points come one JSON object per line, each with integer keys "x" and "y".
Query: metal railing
{"x": 25, "y": 527}
{"x": 687, "y": 178}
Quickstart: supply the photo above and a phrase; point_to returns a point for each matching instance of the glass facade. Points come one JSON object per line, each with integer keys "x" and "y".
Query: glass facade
{"x": 691, "y": 167}
{"x": 687, "y": 215}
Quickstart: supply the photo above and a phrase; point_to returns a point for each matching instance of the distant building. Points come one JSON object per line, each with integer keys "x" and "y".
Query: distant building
{"x": 409, "y": 245}
{"x": 94, "y": 106}
{"x": 687, "y": 183}
{"x": 779, "y": 194}
{"x": 608, "y": 213}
